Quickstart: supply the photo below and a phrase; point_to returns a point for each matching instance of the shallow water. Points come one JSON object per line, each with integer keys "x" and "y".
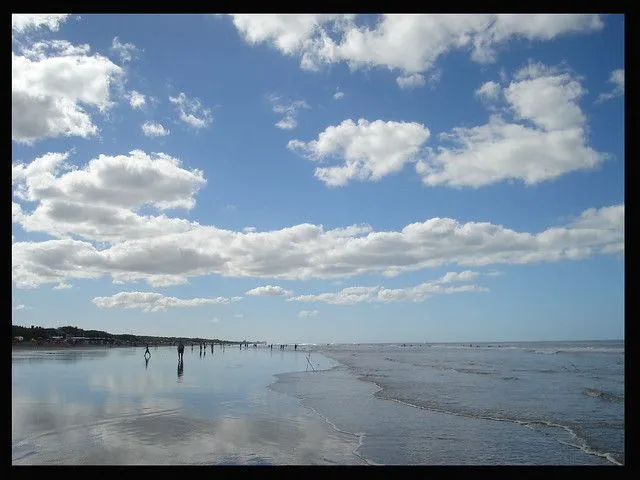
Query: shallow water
{"x": 105, "y": 406}
{"x": 533, "y": 404}
{"x": 440, "y": 404}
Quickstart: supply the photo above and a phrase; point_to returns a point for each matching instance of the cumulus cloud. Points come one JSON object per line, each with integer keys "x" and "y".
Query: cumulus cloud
{"x": 307, "y": 313}
{"x": 288, "y": 109}
{"x": 617, "y": 79}
{"x": 309, "y": 251}
{"x": 338, "y": 95}
{"x": 549, "y": 141}
{"x": 126, "y": 51}
{"x": 21, "y": 306}
{"x": 137, "y": 100}
{"x": 21, "y": 22}
{"x": 53, "y": 83}
{"x": 268, "y": 291}
{"x": 99, "y": 201}
{"x": 408, "y": 43}
{"x": 153, "y": 302}
{"x": 191, "y": 110}
{"x": 369, "y": 150}
{"x": 375, "y": 294}
{"x": 154, "y": 129}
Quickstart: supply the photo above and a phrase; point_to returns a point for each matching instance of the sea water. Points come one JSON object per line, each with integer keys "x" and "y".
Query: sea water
{"x": 383, "y": 404}
{"x": 552, "y": 403}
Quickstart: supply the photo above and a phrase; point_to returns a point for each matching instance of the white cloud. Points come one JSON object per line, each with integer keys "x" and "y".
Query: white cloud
{"x": 99, "y": 200}
{"x": 617, "y": 78}
{"x": 555, "y": 143}
{"x": 52, "y": 84}
{"x": 191, "y": 111}
{"x": 126, "y": 51}
{"x": 21, "y": 22}
{"x": 465, "y": 276}
{"x": 489, "y": 91}
{"x": 154, "y": 129}
{"x": 136, "y": 99}
{"x": 21, "y": 306}
{"x": 338, "y": 95}
{"x": 409, "y": 43}
{"x": 115, "y": 181}
{"x": 412, "y": 80}
{"x": 418, "y": 293}
{"x": 62, "y": 286}
{"x": 307, "y": 313}
{"x": 153, "y": 302}
{"x": 309, "y": 251}
{"x": 370, "y": 150}
{"x": 268, "y": 291}
{"x": 288, "y": 109}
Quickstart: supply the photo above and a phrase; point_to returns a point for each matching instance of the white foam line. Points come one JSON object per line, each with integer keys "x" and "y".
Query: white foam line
{"x": 526, "y": 423}
{"x": 360, "y": 436}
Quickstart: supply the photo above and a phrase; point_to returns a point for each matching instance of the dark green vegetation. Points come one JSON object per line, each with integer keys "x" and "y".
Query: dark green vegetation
{"x": 75, "y": 335}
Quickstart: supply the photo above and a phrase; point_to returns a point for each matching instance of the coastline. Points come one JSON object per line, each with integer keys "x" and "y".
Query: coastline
{"x": 54, "y": 346}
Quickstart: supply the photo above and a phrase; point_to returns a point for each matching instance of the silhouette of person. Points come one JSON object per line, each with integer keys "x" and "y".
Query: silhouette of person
{"x": 147, "y": 352}
{"x": 180, "y": 350}
{"x": 180, "y": 370}
{"x": 295, "y": 347}
{"x": 146, "y": 362}
{"x": 212, "y": 348}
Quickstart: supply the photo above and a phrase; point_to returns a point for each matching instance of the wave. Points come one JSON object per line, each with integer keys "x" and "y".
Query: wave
{"x": 580, "y": 444}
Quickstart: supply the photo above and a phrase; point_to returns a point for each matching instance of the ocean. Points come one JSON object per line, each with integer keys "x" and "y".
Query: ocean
{"x": 550, "y": 403}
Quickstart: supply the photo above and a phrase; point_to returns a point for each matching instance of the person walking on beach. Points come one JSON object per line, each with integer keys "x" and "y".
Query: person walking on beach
{"x": 181, "y": 350}
{"x": 147, "y": 352}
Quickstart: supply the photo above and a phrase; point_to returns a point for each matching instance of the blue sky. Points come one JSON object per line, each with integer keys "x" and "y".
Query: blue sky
{"x": 311, "y": 179}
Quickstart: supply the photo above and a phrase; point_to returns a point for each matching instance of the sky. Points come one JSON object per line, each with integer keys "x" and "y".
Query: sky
{"x": 320, "y": 178}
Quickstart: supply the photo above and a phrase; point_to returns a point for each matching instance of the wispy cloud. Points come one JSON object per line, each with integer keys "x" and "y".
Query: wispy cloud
{"x": 288, "y": 109}
{"x": 191, "y": 111}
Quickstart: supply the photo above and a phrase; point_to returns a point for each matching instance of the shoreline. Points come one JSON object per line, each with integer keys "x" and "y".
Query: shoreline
{"x": 21, "y": 346}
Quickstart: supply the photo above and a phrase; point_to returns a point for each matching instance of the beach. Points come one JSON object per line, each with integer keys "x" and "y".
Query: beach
{"x": 320, "y": 405}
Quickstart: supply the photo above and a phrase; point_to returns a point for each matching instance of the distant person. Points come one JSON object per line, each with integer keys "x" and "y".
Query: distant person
{"x": 271, "y": 346}
{"x": 147, "y": 352}
{"x": 192, "y": 347}
{"x": 295, "y": 347}
{"x": 212, "y": 348}
{"x": 181, "y": 350}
